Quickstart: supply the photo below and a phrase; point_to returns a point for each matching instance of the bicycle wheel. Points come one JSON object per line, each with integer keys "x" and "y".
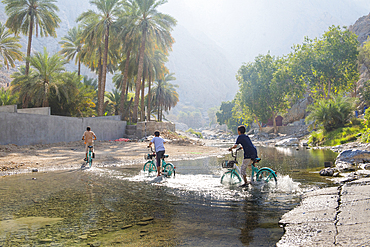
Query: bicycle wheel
{"x": 266, "y": 175}
{"x": 89, "y": 158}
{"x": 169, "y": 170}
{"x": 231, "y": 177}
{"x": 150, "y": 167}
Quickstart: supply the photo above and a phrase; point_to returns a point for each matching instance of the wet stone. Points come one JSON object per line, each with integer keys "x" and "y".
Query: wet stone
{"x": 126, "y": 226}
{"x": 45, "y": 240}
{"x": 147, "y": 219}
{"x": 82, "y": 237}
{"x": 142, "y": 223}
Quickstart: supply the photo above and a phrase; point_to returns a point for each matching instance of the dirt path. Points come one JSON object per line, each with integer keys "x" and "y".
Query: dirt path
{"x": 63, "y": 155}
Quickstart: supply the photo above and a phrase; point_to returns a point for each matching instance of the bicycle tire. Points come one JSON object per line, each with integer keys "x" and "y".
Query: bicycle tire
{"x": 266, "y": 175}
{"x": 150, "y": 167}
{"x": 89, "y": 159}
{"x": 169, "y": 169}
{"x": 231, "y": 177}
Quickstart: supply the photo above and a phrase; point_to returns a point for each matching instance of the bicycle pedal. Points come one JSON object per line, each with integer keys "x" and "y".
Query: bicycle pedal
{"x": 93, "y": 155}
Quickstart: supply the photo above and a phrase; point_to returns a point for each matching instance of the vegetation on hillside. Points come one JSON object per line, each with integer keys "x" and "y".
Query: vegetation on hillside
{"x": 327, "y": 68}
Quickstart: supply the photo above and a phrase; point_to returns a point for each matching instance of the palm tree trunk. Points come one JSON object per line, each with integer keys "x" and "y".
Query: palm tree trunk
{"x": 79, "y": 68}
{"x": 29, "y": 46}
{"x": 139, "y": 75}
{"x": 124, "y": 82}
{"x": 101, "y": 108}
{"x": 142, "y": 98}
{"x": 149, "y": 96}
{"x": 100, "y": 100}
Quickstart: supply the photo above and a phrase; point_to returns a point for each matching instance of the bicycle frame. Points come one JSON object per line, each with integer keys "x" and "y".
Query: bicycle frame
{"x": 168, "y": 169}
{"x": 263, "y": 174}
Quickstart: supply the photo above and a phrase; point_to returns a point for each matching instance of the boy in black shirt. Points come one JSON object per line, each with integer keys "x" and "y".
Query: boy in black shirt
{"x": 250, "y": 152}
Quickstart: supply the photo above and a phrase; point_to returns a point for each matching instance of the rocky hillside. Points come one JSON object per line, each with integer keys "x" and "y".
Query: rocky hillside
{"x": 361, "y": 28}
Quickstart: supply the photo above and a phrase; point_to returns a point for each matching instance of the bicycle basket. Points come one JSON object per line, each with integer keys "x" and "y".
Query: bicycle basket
{"x": 228, "y": 163}
{"x": 149, "y": 156}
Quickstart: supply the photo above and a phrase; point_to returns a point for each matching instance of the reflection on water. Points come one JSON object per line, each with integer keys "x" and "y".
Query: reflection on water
{"x": 123, "y": 206}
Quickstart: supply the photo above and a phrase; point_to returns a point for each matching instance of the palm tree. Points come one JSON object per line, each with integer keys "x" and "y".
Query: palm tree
{"x": 27, "y": 15}
{"x": 76, "y": 98}
{"x": 46, "y": 76}
{"x": 113, "y": 99}
{"x": 20, "y": 86}
{"x": 6, "y": 98}
{"x": 109, "y": 10}
{"x": 72, "y": 46}
{"x": 9, "y": 47}
{"x": 164, "y": 95}
{"x": 149, "y": 23}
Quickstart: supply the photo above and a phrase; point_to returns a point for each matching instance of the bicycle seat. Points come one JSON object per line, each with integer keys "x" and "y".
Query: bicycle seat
{"x": 165, "y": 156}
{"x": 257, "y": 160}
{"x": 90, "y": 146}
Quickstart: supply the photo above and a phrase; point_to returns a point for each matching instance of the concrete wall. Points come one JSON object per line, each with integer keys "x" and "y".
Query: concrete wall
{"x": 8, "y": 108}
{"x": 36, "y": 110}
{"x": 148, "y": 128}
{"x": 26, "y": 129}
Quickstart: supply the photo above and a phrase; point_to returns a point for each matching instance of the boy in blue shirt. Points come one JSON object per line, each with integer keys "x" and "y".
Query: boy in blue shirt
{"x": 159, "y": 149}
{"x": 250, "y": 152}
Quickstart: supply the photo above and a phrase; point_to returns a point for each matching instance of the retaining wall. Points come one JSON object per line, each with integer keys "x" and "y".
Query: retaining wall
{"x": 148, "y": 128}
{"x": 27, "y": 129}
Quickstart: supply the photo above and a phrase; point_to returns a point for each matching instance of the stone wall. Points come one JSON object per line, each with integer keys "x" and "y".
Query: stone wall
{"x": 26, "y": 129}
{"x": 36, "y": 110}
{"x": 147, "y": 128}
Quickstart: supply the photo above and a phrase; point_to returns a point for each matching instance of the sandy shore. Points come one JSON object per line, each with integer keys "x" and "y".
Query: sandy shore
{"x": 14, "y": 159}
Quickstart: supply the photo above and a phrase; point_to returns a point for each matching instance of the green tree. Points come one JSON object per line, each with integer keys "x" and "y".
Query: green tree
{"x": 150, "y": 24}
{"x": 7, "y": 98}
{"x": 46, "y": 75}
{"x": 108, "y": 12}
{"x": 331, "y": 113}
{"x": 328, "y": 65}
{"x": 226, "y": 116}
{"x": 32, "y": 17}
{"x": 76, "y": 98}
{"x": 72, "y": 46}
{"x": 9, "y": 47}
{"x": 113, "y": 98}
{"x": 164, "y": 95}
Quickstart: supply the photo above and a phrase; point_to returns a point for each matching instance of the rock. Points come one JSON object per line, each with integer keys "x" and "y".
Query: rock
{"x": 327, "y": 172}
{"x": 288, "y": 142}
{"x": 365, "y": 166}
{"x": 45, "y": 240}
{"x": 83, "y": 237}
{"x": 348, "y": 159}
{"x": 126, "y": 226}
{"x": 147, "y": 219}
{"x": 35, "y": 170}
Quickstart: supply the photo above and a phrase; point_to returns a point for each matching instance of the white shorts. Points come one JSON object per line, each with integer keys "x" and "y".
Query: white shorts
{"x": 246, "y": 163}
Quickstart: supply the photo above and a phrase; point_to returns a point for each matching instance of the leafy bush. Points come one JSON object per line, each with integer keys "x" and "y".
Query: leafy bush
{"x": 198, "y": 134}
{"x": 335, "y": 137}
{"x": 366, "y": 133}
{"x": 331, "y": 113}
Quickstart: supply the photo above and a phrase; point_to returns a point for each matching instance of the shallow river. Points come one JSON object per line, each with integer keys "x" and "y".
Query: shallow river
{"x": 122, "y": 206}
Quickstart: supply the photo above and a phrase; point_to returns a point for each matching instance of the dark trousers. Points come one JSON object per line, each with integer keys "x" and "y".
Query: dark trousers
{"x": 159, "y": 156}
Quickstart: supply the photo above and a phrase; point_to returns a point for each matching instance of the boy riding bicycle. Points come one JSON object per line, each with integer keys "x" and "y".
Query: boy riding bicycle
{"x": 89, "y": 137}
{"x": 159, "y": 149}
{"x": 250, "y": 152}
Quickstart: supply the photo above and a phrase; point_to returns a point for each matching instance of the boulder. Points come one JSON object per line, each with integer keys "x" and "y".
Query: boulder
{"x": 288, "y": 142}
{"x": 327, "y": 172}
{"x": 348, "y": 159}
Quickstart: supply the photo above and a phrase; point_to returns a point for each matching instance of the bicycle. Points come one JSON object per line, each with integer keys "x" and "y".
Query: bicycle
{"x": 90, "y": 156}
{"x": 168, "y": 169}
{"x": 264, "y": 174}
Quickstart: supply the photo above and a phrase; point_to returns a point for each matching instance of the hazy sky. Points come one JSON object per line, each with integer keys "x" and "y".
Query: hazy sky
{"x": 246, "y": 28}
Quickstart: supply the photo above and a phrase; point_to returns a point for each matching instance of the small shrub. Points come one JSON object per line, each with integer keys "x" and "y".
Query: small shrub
{"x": 198, "y": 134}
